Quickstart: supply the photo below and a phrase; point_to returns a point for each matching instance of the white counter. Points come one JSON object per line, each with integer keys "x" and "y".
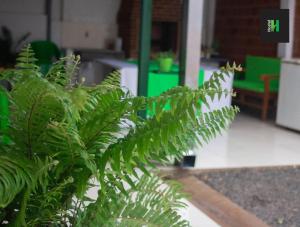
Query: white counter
{"x": 288, "y": 110}
{"x": 128, "y": 71}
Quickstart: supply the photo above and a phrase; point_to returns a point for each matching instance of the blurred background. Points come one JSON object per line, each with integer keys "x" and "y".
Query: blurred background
{"x": 202, "y": 35}
{"x": 106, "y": 35}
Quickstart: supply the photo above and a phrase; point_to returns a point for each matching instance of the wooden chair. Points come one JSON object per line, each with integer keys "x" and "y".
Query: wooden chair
{"x": 259, "y": 88}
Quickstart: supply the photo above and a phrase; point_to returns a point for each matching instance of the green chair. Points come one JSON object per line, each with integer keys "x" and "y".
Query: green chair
{"x": 261, "y": 82}
{"x": 45, "y": 52}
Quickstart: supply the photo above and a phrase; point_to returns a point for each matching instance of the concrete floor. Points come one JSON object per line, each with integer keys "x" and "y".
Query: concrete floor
{"x": 251, "y": 142}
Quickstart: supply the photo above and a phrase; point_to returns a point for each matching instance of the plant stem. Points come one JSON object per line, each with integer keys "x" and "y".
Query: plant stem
{"x": 20, "y": 220}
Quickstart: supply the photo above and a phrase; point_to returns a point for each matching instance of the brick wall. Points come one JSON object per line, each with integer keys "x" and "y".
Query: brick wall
{"x": 129, "y": 20}
{"x": 237, "y": 28}
{"x": 296, "y": 48}
{"x": 127, "y": 25}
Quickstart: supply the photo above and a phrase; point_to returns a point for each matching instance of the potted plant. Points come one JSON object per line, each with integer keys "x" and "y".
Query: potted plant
{"x": 165, "y": 61}
{"x": 66, "y": 138}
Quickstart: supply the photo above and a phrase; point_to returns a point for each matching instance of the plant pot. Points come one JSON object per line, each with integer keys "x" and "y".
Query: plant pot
{"x": 165, "y": 64}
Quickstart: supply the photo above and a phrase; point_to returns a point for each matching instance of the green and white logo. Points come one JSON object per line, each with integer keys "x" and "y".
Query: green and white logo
{"x": 273, "y": 26}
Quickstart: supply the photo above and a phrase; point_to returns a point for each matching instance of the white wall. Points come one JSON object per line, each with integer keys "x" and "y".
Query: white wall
{"x": 22, "y": 16}
{"x": 86, "y": 23}
{"x": 75, "y": 23}
{"x": 285, "y": 50}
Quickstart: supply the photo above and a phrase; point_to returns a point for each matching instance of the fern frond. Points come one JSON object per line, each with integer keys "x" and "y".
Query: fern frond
{"x": 218, "y": 76}
{"x": 33, "y": 110}
{"x": 72, "y": 149}
{"x": 15, "y": 175}
{"x": 62, "y": 71}
{"x": 26, "y": 59}
{"x": 113, "y": 79}
{"x": 145, "y": 205}
{"x": 45, "y": 207}
{"x": 154, "y": 192}
{"x": 177, "y": 130}
{"x": 100, "y": 126}
{"x": 26, "y": 66}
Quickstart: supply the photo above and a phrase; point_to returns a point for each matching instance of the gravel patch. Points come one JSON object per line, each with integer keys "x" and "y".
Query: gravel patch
{"x": 272, "y": 194}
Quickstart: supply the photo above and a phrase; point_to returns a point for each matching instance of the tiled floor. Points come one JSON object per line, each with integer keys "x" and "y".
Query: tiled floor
{"x": 251, "y": 142}
{"x": 196, "y": 217}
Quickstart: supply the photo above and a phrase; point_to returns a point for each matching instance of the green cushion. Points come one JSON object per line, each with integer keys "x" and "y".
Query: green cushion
{"x": 254, "y": 86}
{"x": 257, "y": 66}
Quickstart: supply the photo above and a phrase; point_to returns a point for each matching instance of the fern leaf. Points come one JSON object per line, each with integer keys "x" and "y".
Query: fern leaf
{"x": 145, "y": 205}
{"x": 176, "y": 136}
{"x": 113, "y": 79}
{"x": 33, "y": 110}
{"x": 26, "y": 66}
{"x": 62, "y": 71}
{"x": 15, "y": 175}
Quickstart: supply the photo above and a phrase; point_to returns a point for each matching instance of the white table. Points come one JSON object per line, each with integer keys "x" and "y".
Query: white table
{"x": 128, "y": 71}
{"x": 224, "y": 101}
{"x": 129, "y": 79}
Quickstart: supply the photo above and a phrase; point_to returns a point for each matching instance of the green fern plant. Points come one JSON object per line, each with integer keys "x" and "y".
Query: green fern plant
{"x": 66, "y": 138}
